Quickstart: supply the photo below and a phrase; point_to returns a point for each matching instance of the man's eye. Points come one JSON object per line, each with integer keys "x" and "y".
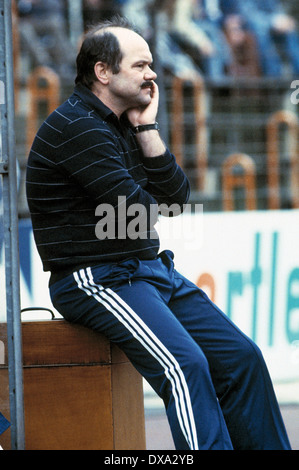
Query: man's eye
{"x": 143, "y": 66}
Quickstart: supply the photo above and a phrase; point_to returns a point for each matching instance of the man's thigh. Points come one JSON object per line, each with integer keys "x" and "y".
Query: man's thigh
{"x": 133, "y": 315}
{"x": 222, "y": 342}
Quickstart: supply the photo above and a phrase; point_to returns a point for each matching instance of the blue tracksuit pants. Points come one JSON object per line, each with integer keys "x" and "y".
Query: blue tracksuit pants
{"x": 212, "y": 378}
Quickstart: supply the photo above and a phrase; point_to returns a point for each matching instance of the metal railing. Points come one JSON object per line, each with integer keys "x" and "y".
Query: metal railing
{"x": 10, "y": 228}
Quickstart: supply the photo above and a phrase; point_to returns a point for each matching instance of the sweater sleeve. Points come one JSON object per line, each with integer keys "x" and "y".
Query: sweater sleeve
{"x": 92, "y": 158}
{"x": 167, "y": 183}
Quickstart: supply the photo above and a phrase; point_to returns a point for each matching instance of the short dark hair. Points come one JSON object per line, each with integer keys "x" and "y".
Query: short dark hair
{"x": 100, "y": 47}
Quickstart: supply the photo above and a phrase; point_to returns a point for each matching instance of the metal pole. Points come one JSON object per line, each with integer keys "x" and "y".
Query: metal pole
{"x": 10, "y": 220}
{"x": 75, "y": 18}
{"x": 153, "y": 11}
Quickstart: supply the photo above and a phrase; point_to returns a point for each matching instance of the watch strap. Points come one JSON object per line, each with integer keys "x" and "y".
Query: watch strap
{"x": 146, "y": 127}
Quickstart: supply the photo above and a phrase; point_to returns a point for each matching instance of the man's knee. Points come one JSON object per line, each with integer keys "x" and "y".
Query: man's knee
{"x": 249, "y": 356}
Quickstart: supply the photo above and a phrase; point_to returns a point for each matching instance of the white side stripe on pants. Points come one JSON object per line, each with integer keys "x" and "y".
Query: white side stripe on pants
{"x": 144, "y": 335}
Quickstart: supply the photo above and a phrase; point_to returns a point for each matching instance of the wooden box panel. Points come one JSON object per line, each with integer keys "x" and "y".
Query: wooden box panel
{"x": 80, "y": 392}
{"x": 68, "y": 408}
{"x": 128, "y": 408}
{"x": 58, "y": 342}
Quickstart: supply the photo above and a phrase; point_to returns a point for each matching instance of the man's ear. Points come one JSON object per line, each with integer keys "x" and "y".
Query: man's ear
{"x": 100, "y": 70}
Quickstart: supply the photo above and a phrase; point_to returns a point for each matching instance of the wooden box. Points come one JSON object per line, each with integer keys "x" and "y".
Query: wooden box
{"x": 80, "y": 392}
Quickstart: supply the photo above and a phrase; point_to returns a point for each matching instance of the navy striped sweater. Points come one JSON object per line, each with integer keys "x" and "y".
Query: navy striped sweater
{"x": 82, "y": 158}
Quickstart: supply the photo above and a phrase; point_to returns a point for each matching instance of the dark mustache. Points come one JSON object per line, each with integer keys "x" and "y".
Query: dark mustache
{"x": 147, "y": 84}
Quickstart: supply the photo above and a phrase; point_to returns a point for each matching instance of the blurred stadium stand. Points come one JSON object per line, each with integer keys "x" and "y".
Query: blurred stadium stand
{"x": 207, "y": 123}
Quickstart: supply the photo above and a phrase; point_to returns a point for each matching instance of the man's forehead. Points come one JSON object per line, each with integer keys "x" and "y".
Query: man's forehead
{"x": 130, "y": 41}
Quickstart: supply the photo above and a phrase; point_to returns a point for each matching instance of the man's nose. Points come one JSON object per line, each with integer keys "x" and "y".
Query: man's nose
{"x": 150, "y": 74}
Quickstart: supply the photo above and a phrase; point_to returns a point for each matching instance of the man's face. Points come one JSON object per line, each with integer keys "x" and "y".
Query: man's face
{"x": 131, "y": 87}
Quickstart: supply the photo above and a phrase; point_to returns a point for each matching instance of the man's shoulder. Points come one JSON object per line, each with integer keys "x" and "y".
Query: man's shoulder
{"x": 75, "y": 114}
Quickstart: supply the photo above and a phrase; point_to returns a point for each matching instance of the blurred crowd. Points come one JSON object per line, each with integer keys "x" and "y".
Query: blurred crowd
{"x": 210, "y": 38}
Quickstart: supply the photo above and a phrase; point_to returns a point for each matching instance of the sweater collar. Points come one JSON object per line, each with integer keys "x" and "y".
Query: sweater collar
{"x": 95, "y": 103}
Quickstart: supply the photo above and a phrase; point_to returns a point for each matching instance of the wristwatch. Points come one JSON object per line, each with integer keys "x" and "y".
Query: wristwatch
{"x": 146, "y": 127}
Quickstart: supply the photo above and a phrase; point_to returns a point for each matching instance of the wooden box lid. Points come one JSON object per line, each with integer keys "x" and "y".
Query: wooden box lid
{"x": 57, "y": 342}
